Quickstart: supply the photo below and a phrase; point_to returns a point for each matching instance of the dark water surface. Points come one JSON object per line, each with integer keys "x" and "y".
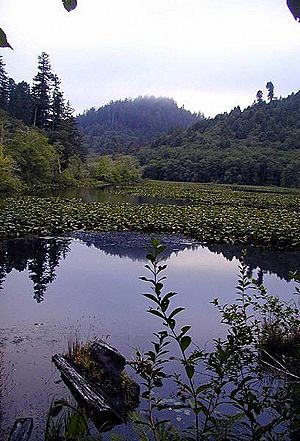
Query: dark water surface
{"x": 53, "y": 289}
{"x": 107, "y": 194}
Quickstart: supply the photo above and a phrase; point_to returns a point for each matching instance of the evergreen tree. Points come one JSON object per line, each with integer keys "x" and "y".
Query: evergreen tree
{"x": 57, "y": 104}
{"x": 4, "y": 86}
{"x": 20, "y": 101}
{"x": 67, "y": 138}
{"x": 11, "y": 93}
{"x": 41, "y": 92}
{"x": 259, "y": 97}
{"x": 270, "y": 89}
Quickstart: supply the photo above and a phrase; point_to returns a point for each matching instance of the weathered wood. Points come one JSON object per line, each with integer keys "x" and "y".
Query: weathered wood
{"x": 111, "y": 360}
{"x": 81, "y": 386}
{"x": 21, "y": 430}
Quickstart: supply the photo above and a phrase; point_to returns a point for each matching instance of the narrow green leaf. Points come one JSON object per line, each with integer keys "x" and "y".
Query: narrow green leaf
{"x": 151, "y": 297}
{"x": 55, "y": 410}
{"x": 174, "y": 312}
{"x": 202, "y": 388}
{"x": 185, "y": 342}
{"x": 150, "y": 257}
{"x": 190, "y": 370}
{"x": 164, "y": 305}
{"x": 169, "y": 295}
{"x": 155, "y": 312}
{"x": 184, "y": 330}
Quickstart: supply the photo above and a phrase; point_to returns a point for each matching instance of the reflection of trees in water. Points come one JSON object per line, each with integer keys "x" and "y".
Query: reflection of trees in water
{"x": 276, "y": 262}
{"x": 40, "y": 256}
{"x": 132, "y": 244}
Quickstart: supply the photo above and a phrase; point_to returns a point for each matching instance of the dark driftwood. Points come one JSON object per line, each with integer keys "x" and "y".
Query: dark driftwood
{"x": 84, "y": 389}
{"x": 111, "y": 360}
{"x": 21, "y": 430}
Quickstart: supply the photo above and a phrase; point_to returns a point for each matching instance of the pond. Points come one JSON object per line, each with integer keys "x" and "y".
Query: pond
{"x": 106, "y": 194}
{"x": 87, "y": 285}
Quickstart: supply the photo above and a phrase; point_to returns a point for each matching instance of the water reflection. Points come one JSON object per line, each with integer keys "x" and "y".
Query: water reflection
{"x": 39, "y": 256}
{"x": 271, "y": 261}
{"x": 133, "y": 245}
{"x": 90, "y": 286}
{"x": 106, "y": 194}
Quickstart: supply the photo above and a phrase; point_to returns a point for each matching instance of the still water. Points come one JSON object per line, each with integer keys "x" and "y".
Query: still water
{"x": 87, "y": 285}
{"x": 106, "y": 194}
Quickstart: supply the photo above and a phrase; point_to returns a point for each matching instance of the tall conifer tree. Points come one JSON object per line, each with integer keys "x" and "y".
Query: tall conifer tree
{"x": 69, "y": 137}
{"x": 57, "y": 104}
{"x": 4, "y": 85}
{"x": 20, "y": 101}
{"x": 270, "y": 89}
{"x": 41, "y": 92}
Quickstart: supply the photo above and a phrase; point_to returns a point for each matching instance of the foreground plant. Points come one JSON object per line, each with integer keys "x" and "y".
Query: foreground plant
{"x": 248, "y": 393}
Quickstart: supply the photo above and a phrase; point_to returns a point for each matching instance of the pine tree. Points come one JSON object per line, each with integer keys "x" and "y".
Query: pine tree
{"x": 259, "y": 97}
{"x": 41, "y": 92}
{"x": 270, "y": 89}
{"x": 20, "y": 102}
{"x": 57, "y": 104}
{"x": 3, "y": 85}
{"x": 11, "y": 94}
{"x": 67, "y": 138}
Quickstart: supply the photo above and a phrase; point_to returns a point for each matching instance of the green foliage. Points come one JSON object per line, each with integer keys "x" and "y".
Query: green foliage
{"x": 65, "y": 422}
{"x": 248, "y": 394}
{"x": 74, "y": 174}
{"x": 258, "y": 146}
{"x": 232, "y": 219}
{"x": 122, "y": 169}
{"x": 120, "y": 125}
{"x": 20, "y": 103}
{"x": 65, "y": 134}
{"x": 35, "y": 158}
{"x": 270, "y": 89}
{"x": 4, "y": 86}
{"x": 8, "y": 178}
{"x": 41, "y": 93}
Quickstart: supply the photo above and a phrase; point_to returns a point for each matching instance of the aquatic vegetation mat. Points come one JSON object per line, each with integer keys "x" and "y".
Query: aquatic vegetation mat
{"x": 273, "y": 227}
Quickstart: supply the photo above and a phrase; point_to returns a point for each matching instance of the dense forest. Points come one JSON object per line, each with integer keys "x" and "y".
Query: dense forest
{"x": 39, "y": 138}
{"x": 121, "y": 125}
{"x": 40, "y": 142}
{"x": 260, "y": 145}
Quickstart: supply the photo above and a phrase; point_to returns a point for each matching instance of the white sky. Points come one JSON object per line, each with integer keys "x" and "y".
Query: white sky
{"x": 209, "y": 55}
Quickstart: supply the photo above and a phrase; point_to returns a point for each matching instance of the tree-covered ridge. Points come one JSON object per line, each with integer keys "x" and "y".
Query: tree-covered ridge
{"x": 39, "y": 139}
{"x": 260, "y": 145}
{"x": 123, "y": 124}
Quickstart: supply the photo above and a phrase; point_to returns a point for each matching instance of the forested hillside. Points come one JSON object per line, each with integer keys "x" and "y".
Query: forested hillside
{"x": 39, "y": 139}
{"x": 260, "y": 145}
{"x": 121, "y": 125}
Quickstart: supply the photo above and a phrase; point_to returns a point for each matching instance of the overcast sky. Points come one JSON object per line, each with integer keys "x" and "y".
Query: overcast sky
{"x": 209, "y": 55}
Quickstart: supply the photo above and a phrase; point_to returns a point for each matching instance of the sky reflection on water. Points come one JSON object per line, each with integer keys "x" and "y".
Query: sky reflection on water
{"x": 90, "y": 287}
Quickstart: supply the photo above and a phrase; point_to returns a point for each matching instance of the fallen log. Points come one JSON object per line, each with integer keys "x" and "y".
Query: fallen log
{"x": 82, "y": 388}
{"x": 21, "y": 430}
